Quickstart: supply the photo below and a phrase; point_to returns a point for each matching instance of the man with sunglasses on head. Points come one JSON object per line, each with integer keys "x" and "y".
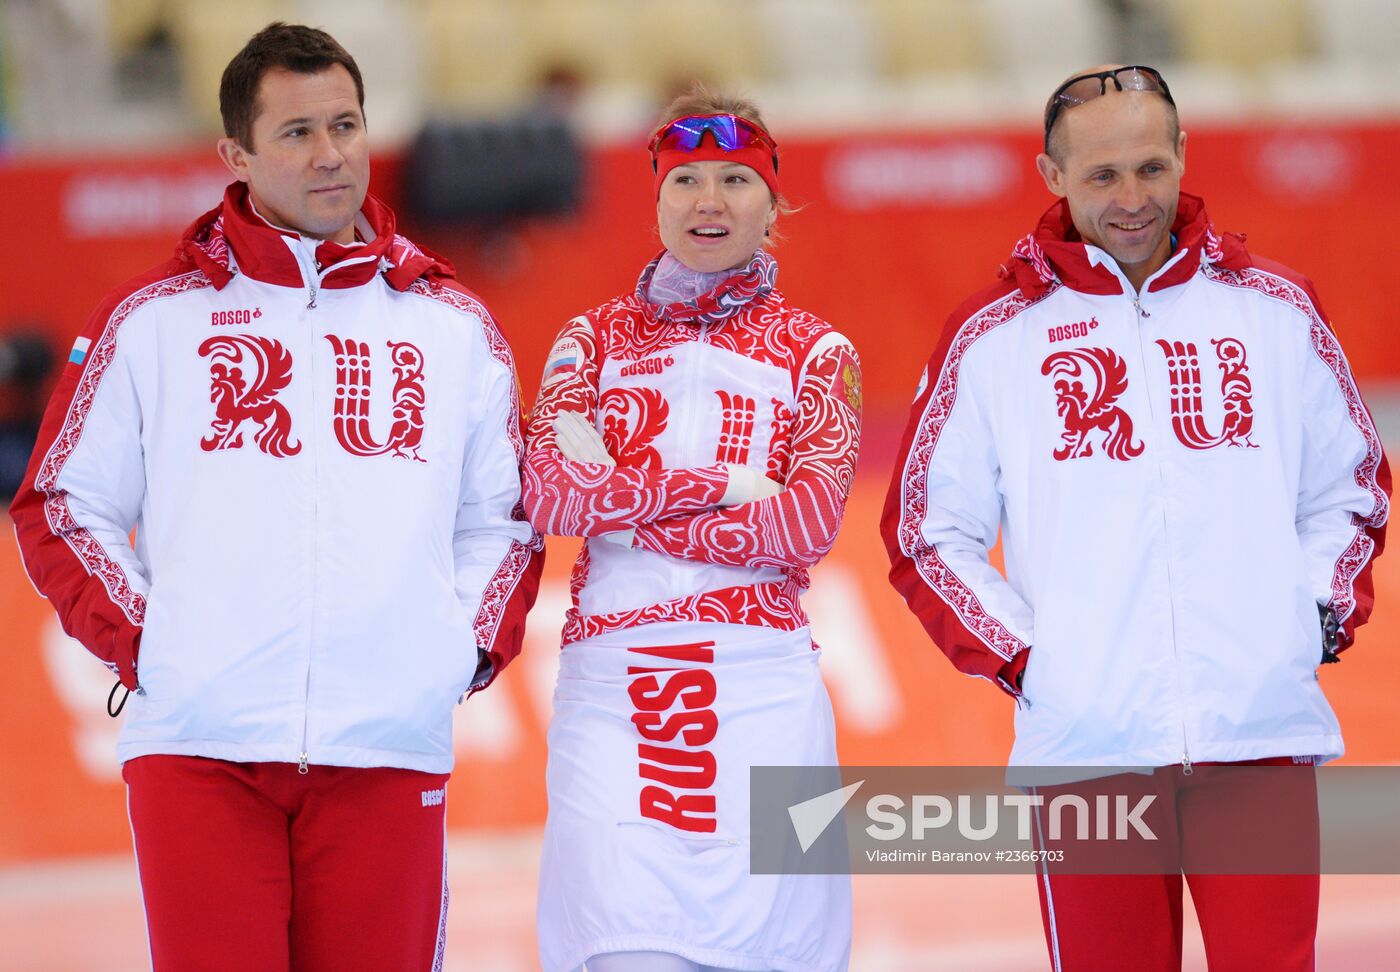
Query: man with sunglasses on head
{"x": 314, "y": 432}
{"x": 1165, "y": 432}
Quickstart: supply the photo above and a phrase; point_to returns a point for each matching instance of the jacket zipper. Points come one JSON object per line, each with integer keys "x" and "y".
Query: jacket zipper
{"x": 310, "y": 271}
{"x": 312, "y": 274}
{"x": 303, "y": 756}
{"x": 1143, "y": 314}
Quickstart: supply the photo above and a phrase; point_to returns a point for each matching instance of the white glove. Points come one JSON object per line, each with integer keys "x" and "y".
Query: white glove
{"x": 579, "y": 441}
{"x": 746, "y": 486}
{"x": 623, "y": 538}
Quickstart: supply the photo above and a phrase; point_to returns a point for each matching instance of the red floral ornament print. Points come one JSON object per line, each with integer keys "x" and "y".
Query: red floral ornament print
{"x": 582, "y": 499}
{"x": 1236, "y": 391}
{"x": 797, "y": 528}
{"x": 632, "y": 420}
{"x": 246, "y": 374}
{"x": 1090, "y": 382}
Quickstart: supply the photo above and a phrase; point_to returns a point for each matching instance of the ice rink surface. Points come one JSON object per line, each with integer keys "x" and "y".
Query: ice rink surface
{"x": 86, "y": 916}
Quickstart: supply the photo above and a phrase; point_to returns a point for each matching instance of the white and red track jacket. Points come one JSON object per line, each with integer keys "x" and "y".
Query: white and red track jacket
{"x": 736, "y": 377}
{"x": 1180, "y": 478}
{"x": 318, "y": 447}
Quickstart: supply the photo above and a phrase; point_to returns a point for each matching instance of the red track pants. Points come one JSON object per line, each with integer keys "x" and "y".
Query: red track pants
{"x": 1249, "y": 922}
{"x": 253, "y": 866}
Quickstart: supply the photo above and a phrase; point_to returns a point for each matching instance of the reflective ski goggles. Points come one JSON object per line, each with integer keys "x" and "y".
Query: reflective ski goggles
{"x": 1087, "y": 87}
{"x": 731, "y": 133}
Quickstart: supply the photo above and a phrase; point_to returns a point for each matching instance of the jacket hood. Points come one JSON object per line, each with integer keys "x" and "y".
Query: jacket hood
{"x": 233, "y": 238}
{"x": 1055, "y": 253}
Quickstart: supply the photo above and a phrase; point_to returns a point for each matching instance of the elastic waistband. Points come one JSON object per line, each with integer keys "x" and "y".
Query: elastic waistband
{"x": 761, "y": 605}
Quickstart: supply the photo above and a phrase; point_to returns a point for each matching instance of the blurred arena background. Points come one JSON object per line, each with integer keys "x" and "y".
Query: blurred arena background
{"x": 509, "y": 136}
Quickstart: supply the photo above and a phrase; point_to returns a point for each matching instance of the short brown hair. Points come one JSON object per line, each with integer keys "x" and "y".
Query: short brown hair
{"x": 700, "y": 99}
{"x": 292, "y": 47}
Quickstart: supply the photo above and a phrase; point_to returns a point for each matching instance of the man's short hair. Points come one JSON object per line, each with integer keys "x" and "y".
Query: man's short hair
{"x": 292, "y": 47}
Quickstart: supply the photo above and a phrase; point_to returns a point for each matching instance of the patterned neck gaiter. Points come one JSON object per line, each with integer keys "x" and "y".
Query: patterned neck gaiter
{"x": 671, "y": 291}
{"x": 673, "y": 282}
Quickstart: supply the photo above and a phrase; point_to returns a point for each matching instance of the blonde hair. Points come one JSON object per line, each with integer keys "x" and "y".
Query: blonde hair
{"x": 701, "y": 99}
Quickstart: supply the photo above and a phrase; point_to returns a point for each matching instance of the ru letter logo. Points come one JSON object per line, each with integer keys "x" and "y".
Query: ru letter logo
{"x": 352, "y": 399}
{"x": 1184, "y": 374}
{"x": 246, "y": 373}
{"x": 1089, "y": 382}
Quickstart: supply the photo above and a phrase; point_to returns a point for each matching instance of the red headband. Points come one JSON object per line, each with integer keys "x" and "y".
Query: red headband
{"x": 756, "y": 156}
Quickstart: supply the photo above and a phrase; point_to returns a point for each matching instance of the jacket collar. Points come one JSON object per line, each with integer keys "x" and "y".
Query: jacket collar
{"x": 233, "y": 238}
{"x": 1056, "y": 254}
{"x": 752, "y": 283}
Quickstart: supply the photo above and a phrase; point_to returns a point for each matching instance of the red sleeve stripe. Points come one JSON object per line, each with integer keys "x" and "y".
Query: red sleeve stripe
{"x": 1368, "y": 473}
{"x": 59, "y": 517}
{"x": 95, "y": 558}
{"x": 496, "y": 599}
{"x": 943, "y": 394}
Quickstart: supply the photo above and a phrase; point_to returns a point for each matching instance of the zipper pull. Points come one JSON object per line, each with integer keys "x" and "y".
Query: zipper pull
{"x": 1186, "y": 769}
{"x": 312, "y": 304}
{"x": 301, "y": 766}
{"x": 1138, "y": 304}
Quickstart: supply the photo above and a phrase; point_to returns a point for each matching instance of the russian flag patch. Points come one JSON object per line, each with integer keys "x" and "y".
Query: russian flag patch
{"x": 80, "y": 349}
{"x": 563, "y": 361}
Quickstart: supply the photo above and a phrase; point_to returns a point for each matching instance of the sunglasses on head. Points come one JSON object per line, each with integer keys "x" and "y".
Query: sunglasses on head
{"x": 1087, "y": 87}
{"x": 730, "y": 133}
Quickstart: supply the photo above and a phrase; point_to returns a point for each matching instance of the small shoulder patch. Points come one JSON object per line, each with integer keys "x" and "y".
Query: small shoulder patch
{"x": 564, "y": 360}
{"x": 848, "y": 385}
{"x": 80, "y": 351}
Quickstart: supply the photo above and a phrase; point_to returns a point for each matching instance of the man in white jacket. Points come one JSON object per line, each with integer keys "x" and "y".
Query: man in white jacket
{"x": 1164, "y": 431}
{"x": 314, "y": 432}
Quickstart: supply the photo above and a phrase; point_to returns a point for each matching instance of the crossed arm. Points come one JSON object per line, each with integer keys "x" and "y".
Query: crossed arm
{"x": 580, "y": 495}
{"x": 720, "y": 514}
{"x": 796, "y": 528}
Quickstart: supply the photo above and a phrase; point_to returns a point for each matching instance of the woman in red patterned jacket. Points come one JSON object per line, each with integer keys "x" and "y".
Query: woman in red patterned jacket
{"x": 701, "y": 434}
